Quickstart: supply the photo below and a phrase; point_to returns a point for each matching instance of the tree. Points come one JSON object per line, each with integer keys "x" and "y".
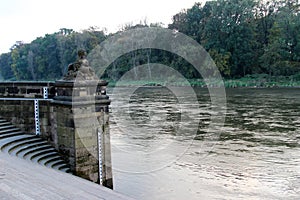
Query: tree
{"x": 281, "y": 54}
{"x": 19, "y": 61}
{"x": 5, "y": 66}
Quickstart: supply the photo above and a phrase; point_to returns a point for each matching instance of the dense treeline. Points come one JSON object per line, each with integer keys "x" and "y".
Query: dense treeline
{"x": 47, "y": 58}
{"x": 244, "y": 37}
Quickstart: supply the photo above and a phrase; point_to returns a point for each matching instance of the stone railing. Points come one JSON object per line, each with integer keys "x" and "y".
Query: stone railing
{"x": 27, "y": 89}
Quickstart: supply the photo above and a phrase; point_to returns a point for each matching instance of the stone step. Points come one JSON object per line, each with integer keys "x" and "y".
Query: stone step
{"x": 4, "y": 123}
{"x": 8, "y": 141}
{"x": 33, "y": 148}
{"x": 37, "y": 159}
{"x": 2, "y": 120}
{"x": 58, "y": 165}
{"x": 11, "y": 134}
{"x": 6, "y": 127}
{"x": 19, "y": 144}
{"x": 65, "y": 169}
{"x": 62, "y": 167}
{"x": 31, "y": 145}
{"x": 34, "y": 156}
{"x": 51, "y": 161}
{"x": 9, "y": 130}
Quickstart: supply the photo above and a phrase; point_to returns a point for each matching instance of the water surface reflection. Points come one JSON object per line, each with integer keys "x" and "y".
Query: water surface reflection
{"x": 256, "y": 155}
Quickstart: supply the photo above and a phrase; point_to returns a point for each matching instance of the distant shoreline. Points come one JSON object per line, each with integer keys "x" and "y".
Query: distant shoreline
{"x": 228, "y": 83}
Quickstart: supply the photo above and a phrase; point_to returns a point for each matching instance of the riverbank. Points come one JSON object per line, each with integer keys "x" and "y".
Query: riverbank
{"x": 248, "y": 81}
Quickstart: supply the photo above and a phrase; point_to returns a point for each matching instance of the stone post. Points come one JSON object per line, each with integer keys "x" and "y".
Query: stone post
{"x": 80, "y": 111}
{"x": 80, "y": 114}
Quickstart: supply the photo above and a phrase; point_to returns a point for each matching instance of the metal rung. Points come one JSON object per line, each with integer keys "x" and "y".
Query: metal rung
{"x": 45, "y": 92}
{"x": 100, "y": 155}
{"x": 37, "y": 117}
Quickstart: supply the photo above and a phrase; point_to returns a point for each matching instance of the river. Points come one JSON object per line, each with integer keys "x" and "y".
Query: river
{"x": 162, "y": 147}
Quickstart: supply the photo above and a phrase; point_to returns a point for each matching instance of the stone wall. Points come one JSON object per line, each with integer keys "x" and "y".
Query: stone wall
{"x": 70, "y": 120}
{"x": 17, "y": 105}
{"x": 21, "y": 113}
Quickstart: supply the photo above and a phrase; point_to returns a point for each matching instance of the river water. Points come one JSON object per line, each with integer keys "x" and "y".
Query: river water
{"x": 163, "y": 148}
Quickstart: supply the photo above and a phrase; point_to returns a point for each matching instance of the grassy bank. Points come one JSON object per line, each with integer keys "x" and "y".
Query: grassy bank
{"x": 247, "y": 81}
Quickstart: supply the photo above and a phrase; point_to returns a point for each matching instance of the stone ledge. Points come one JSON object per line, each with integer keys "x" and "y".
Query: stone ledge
{"x": 84, "y": 103}
{"x": 72, "y": 83}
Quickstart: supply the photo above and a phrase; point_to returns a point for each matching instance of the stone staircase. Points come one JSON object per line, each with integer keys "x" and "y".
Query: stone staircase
{"x": 30, "y": 147}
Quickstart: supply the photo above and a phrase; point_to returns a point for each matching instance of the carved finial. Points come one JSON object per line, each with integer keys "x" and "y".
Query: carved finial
{"x": 80, "y": 67}
{"x": 81, "y": 54}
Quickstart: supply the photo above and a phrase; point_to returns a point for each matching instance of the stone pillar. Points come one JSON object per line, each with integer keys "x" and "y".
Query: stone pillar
{"x": 80, "y": 112}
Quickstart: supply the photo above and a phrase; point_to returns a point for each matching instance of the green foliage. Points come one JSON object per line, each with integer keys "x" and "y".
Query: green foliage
{"x": 5, "y": 69}
{"x": 221, "y": 60}
{"x": 47, "y": 58}
{"x": 246, "y": 36}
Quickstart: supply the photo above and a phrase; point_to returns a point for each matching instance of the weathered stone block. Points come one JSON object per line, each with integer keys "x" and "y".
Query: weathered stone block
{"x": 84, "y": 151}
{"x": 86, "y": 142}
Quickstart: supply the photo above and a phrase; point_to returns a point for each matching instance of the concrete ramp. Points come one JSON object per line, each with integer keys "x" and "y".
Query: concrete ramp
{"x": 24, "y": 180}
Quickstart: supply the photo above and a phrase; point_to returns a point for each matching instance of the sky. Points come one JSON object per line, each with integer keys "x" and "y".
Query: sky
{"x": 25, "y": 20}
